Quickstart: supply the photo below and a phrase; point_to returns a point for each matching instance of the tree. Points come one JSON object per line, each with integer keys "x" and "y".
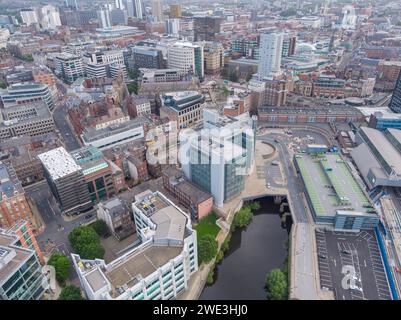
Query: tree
{"x": 85, "y": 241}
{"x": 100, "y": 227}
{"x": 243, "y": 217}
{"x": 207, "y": 248}
{"x": 27, "y": 57}
{"x": 132, "y": 87}
{"x": 3, "y": 85}
{"x": 62, "y": 265}
{"x": 276, "y": 285}
{"x": 70, "y": 293}
{"x": 289, "y": 12}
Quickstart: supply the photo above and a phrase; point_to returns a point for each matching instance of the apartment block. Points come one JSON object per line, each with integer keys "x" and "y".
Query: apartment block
{"x": 157, "y": 269}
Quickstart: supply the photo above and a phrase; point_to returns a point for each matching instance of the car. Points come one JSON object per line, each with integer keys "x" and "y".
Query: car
{"x": 268, "y": 185}
{"x": 276, "y": 140}
{"x": 275, "y": 163}
{"x": 354, "y": 287}
{"x": 345, "y": 252}
{"x": 322, "y": 256}
{"x": 88, "y": 216}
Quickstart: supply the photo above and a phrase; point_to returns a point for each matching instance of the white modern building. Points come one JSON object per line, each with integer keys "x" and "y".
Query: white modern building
{"x": 270, "y": 48}
{"x": 158, "y": 269}
{"x": 27, "y": 92}
{"x": 104, "y": 19}
{"x": 115, "y": 134}
{"x": 187, "y": 57}
{"x": 134, "y": 9}
{"x": 161, "y": 75}
{"x": 4, "y": 36}
{"x": 29, "y": 16}
{"x": 172, "y": 27}
{"x": 49, "y": 17}
{"x": 69, "y": 67}
{"x": 220, "y": 156}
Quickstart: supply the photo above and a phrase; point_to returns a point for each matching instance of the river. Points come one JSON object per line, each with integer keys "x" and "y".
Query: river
{"x": 253, "y": 252}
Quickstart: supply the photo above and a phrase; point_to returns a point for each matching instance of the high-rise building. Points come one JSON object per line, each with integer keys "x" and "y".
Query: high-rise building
{"x": 21, "y": 276}
{"x": 69, "y": 67}
{"x": 118, "y": 17}
{"x": 289, "y": 43}
{"x": 271, "y": 45}
{"x": 147, "y": 57}
{"x": 119, "y": 4}
{"x": 66, "y": 180}
{"x": 187, "y": 57}
{"x": 49, "y": 17}
{"x": 13, "y": 203}
{"x": 395, "y": 102}
{"x": 29, "y": 16}
{"x": 219, "y": 158}
{"x": 22, "y": 93}
{"x": 214, "y": 57}
{"x": 159, "y": 268}
{"x": 175, "y": 11}
{"x": 172, "y": 27}
{"x": 135, "y": 9}
{"x": 157, "y": 10}
{"x": 104, "y": 19}
{"x": 206, "y": 28}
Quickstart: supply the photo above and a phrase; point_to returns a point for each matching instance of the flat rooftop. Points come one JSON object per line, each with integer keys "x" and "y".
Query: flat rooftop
{"x": 170, "y": 222}
{"x": 384, "y": 147}
{"x": 59, "y": 163}
{"x": 330, "y": 185}
{"x": 7, "y": 247}
{"x": 141, "y": 264}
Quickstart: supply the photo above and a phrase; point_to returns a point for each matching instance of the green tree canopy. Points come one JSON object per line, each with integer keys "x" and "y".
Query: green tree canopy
{"x": 62, "y": 265}
{"x": 3, "y": 84}
{"x": 276, "y": 285}
{"x": 85, "y": 242}
{"x": 70, "y": 293}
{"x": 100, "y": 227}
{"x": 207, "y": 248}
{"x": 243, "y": 217}
{"x": 289, "y": 12}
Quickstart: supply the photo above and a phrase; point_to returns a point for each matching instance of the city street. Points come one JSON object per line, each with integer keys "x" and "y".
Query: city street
{"x": 55, "y": 235}
{"x": 70, "y": 141}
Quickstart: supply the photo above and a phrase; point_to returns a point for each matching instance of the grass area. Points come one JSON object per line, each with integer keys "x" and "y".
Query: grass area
{"x": 207, "y": 225}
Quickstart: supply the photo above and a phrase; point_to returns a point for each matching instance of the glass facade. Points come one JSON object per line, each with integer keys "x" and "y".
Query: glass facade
{"x": 234, "y": 177}
{"x": 395, "y": 103}
{"x": 25, "y": 283}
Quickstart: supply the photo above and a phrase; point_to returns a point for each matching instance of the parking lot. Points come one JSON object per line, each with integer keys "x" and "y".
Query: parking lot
{"x": 350, "y": 264}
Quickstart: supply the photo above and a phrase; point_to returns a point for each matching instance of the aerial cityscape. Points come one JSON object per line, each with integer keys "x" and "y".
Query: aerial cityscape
{"x": 200, "y": 150}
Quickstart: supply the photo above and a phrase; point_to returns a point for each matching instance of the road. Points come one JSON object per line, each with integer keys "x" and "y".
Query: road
{"x": 57, "y": 229}
{"x": 60, "y": 116}
{"x": 294, "y": 186}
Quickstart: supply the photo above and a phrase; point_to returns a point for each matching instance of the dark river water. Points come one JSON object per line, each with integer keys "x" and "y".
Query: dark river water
{"x": 253, "y": 252}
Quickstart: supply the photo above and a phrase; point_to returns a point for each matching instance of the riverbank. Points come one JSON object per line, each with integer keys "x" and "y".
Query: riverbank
{"x": 252, "y": 253}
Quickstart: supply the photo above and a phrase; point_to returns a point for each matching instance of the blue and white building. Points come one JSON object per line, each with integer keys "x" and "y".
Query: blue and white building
{"x": 159, "y": 268}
